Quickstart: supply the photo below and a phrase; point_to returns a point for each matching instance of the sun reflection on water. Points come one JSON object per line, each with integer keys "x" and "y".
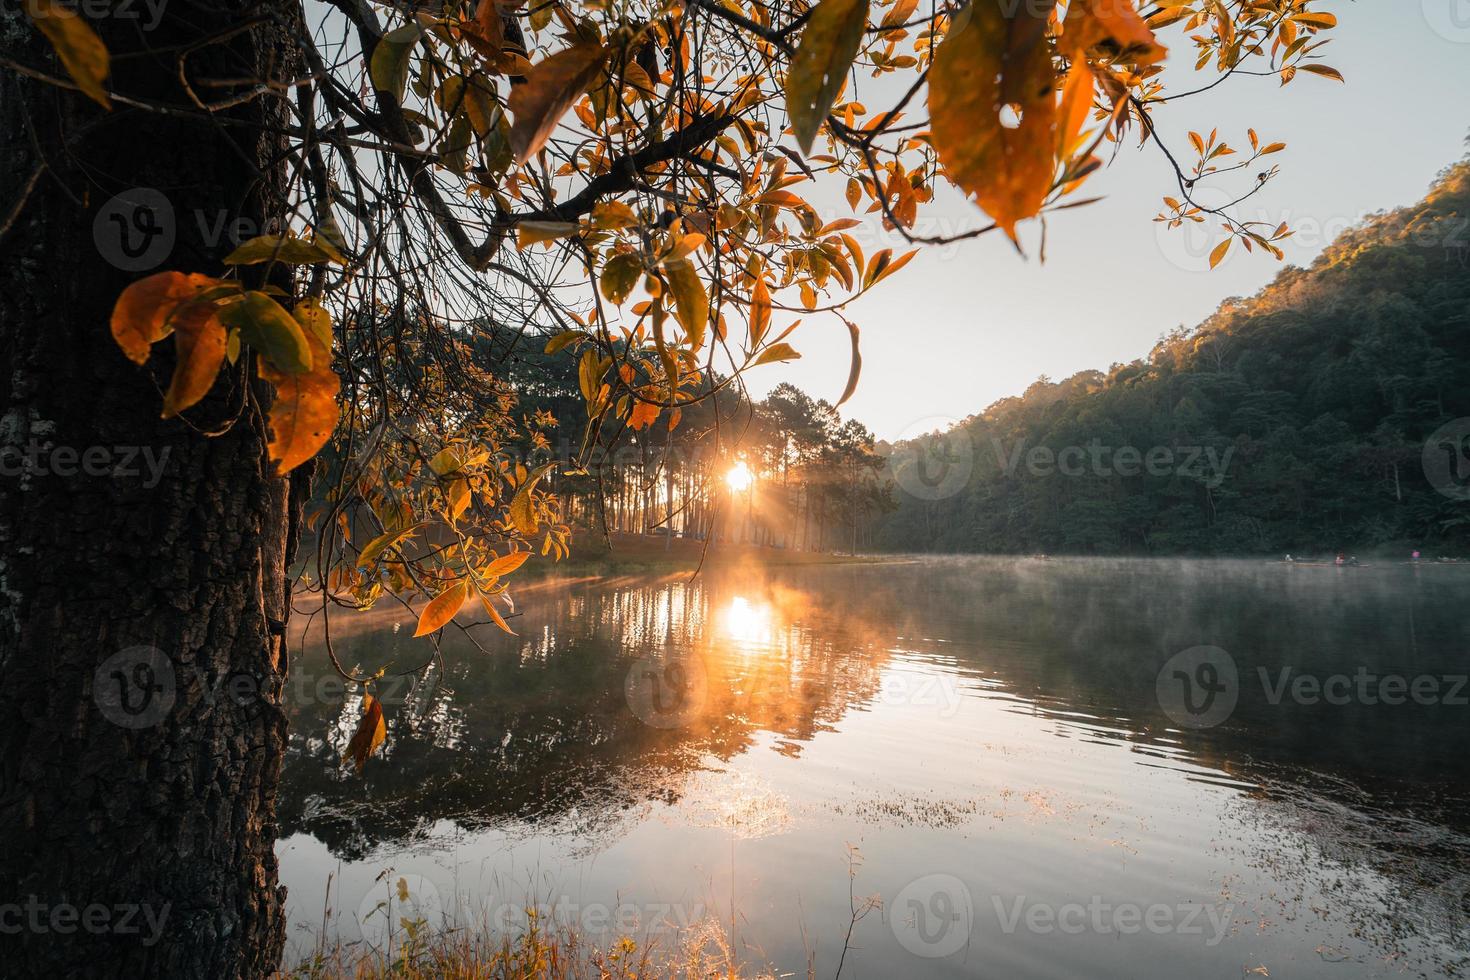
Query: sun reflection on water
{"x": 749, "y": 624}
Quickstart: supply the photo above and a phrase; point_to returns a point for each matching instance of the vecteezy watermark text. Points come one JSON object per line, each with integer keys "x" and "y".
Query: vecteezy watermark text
{"x": 64, "y": 918}
{"x": 1101, "y": 917}
{"x": 38, "y": 458}
{"x": 1204, "y": 463}
{"x": 1201, "y": 687}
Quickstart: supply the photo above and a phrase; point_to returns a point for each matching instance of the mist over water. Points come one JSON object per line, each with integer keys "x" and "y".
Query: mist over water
{"x": 1066, "y": 768}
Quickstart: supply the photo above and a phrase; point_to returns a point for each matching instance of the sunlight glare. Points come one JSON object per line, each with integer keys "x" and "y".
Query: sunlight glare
{"x": 748, "y": 623}
{"x": 739, "y": 478}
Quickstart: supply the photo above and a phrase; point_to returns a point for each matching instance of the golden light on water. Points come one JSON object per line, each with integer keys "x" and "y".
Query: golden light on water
{"x": 739, "y": 478}
{"x": 748, "y": 623}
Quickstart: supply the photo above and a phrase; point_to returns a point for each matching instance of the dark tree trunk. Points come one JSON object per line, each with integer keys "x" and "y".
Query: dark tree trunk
{"x": 142, "y": 564}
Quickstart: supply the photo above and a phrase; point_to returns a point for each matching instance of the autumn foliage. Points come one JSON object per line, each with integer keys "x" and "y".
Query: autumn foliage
{"x": 616, "y": 181}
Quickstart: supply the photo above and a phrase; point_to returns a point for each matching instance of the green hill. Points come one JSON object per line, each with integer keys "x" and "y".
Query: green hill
{"x": 1293, "y": 421}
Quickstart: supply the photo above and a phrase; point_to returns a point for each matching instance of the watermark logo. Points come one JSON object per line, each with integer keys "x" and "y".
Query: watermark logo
{"x": 97, "y": 919}
{"x": 135, "y": 688}
{"x": 1100, "y": 917}
{"x": 1206, "y": 464}
{"x": 37, "y": 458}
{"x": 1199, "y": 687}
{"x": 397, "y": 903}
{"x": 933, "y": 916}
{"x": 147, "y": 14}
{"x": 1364, "y": 687}
{"x": 1450, "y": 19}
{"x": 135, "y": 230}
{"x": 667, "y": 693}
{"x": 933, "y": 459}
{"x": 1447, "y": 459}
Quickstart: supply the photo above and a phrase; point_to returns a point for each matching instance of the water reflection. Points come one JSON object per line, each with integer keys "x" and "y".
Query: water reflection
{"x": 994, "y": 720}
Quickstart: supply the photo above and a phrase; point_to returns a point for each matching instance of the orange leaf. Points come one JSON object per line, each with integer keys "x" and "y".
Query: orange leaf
{"x": 1221, "y": 250}
{"x": 494, "y": 614}
{"x": 1111, "y": 28}
{"x": 1326, "y": 71}
{"x": 140, "y": 316}
{"x": 760, "y": 313}
{"x": 443, "y": 607}
{"x": 1076, "y": 106}
{"x": 490, "y": 29}
{"x": 506, "y": 564}
{"x": 855, "y": 368}
{"x": 369, "y": 735}
{"x": 551, "y": 86}
{"x": 304, "y": 412}
{"x": 199, "y": 339}
{"x": 995, "y": 63}
{"x": 643, "y": 415}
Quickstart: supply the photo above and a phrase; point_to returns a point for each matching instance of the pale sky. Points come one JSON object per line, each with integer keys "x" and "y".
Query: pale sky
{"x": 965, "y": 325}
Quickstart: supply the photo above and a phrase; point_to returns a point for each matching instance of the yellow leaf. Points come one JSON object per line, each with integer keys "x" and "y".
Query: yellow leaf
{"x": 199, "y": 340}
{"x": 369, "y": 735}
{"x": 691, "y": 302}
{"x": 829, "y": 43}
{"x": 535, "y": 232}
{"x": 446, "y": 461}
{"x": 314, "y": 317}
{"x": 522, "y": 511}
{"x": 550, "y": 88}
{"x": 388, "y": 67}
{"x": 760, "y": 313}
{"x": 383, "y": 542}
{"x": 140, "y": 315}
{"x": 993, "y": 111}
{"x": 589, "y": 374}
{"x": 619, "y": 276}
{"x": 608, "y": 215}
{"x": 285, "y": 248}
{"x": 265, "y": 325}
{"x": 81, "y": 51}
{"x": 561, "y": 340}
{"x": 443, "y": 608}
{"x": 776, "y": 352}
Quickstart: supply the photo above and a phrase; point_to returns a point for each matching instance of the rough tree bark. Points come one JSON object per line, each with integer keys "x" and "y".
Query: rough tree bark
{"x": 136, "y": 789}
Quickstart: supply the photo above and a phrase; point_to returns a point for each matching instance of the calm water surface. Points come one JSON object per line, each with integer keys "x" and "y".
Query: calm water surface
{"x": 986, "y": 745}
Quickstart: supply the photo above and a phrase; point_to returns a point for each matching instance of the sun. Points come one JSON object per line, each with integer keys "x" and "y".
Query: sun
{"x": 739, "y": 478}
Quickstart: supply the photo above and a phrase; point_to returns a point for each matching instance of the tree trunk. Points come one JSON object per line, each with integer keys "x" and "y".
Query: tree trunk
{"x": 143, "y": 566}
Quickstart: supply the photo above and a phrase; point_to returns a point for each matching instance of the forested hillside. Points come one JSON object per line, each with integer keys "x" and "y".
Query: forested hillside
{"x": 1299, "y": 420}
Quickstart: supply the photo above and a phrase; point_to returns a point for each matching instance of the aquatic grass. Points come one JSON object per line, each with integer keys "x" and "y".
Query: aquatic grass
{"x": 541, "y": 950}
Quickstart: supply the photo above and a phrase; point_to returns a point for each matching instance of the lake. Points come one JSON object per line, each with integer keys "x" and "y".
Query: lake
{"x": 1043, "y": 769}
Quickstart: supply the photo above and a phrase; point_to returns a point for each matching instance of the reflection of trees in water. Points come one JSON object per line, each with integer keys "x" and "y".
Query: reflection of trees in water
{"x": 1376, "y": 788}
{"x": 1410, "y": 908}
{"x": 1092, "y": 636}
{"x": 540, "y": 729}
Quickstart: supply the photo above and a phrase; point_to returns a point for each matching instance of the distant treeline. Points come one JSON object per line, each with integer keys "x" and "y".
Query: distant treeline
{"x": 1331, "y": 411}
